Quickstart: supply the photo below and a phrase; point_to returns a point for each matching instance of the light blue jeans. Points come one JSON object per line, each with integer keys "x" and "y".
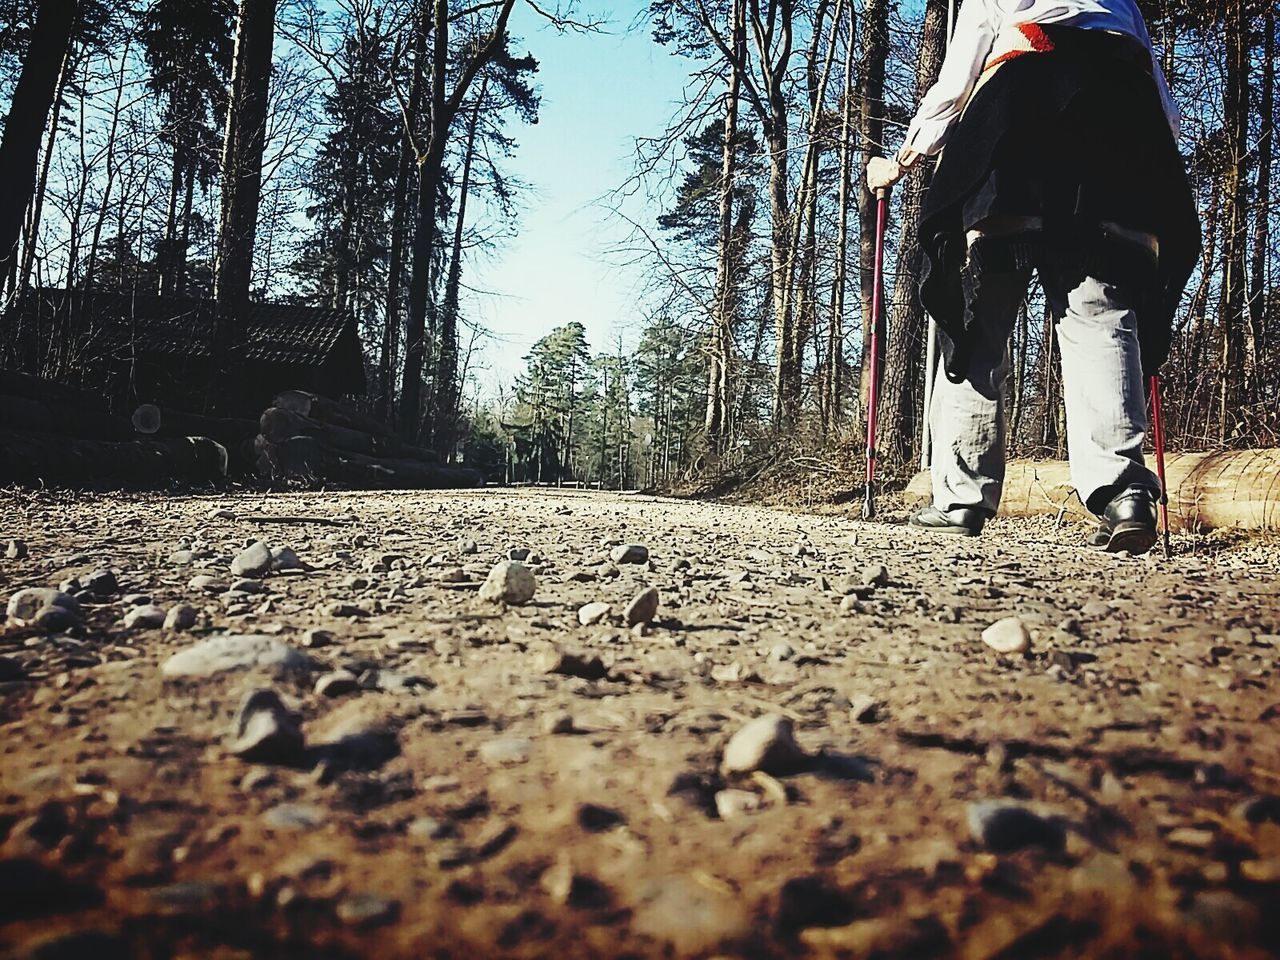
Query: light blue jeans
{"x": 1102, "y": 387}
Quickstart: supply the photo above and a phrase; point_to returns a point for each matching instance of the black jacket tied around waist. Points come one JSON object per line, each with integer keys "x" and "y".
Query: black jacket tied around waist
{"x": 1075, "y": 137}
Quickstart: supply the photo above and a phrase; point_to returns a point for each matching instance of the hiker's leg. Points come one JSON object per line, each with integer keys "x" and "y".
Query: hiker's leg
{"x": 967, "y": 418}
{"x": 1102, "y": 385}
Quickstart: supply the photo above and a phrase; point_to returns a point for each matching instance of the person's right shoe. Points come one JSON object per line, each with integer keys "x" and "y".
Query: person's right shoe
{"x": 965, "y": 522}
{"x": 1128, "y": 523}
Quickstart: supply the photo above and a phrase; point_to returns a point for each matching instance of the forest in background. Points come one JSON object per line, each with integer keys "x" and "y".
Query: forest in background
{"x": 353, "y": 154}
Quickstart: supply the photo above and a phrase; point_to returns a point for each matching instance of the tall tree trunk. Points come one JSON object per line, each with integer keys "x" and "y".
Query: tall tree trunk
{"x": 835, "y": 324}
{"x": 399, "y": 215}
{"x": 448, "y": 384}
{"x": 719, "y": 360}
{"x": 1235, "y": 112}
{"x": 22, "y": 279}
{"x": 875, "y": 53}
{"x": 803, "y": 242}
{"x": 443, "y": 110}
{"x": 902, "y": 374}
{"x": 1262, "y": 194}
{"x": 242, "y": 169}
{"x": 25, "y": 123}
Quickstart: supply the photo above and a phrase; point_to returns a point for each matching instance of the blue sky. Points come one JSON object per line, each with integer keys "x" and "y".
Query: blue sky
{"x": 599, "y": 92}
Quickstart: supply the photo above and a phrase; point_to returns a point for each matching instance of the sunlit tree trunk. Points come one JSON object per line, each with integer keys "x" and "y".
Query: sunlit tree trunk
{"x": 24, "y": 125}
{"x": 242, "y": 169}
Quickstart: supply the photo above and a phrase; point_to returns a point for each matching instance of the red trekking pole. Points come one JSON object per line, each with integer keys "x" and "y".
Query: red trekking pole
{"x": 1157, "y": 425}
{"x": 877, "y": 319}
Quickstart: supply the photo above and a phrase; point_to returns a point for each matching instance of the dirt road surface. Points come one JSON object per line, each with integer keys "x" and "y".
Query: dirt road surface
{"x": 433, "y": 772}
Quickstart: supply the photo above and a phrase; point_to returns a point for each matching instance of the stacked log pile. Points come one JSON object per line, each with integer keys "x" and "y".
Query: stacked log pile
{"x": 236, "y": 434}
{"x": 310, "y": 438}
{"x": 51, "y": 433}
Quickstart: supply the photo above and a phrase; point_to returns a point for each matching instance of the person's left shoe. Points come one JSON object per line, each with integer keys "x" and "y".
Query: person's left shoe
{"x": 965, "y": 522}
{"x": 1128, "y": 524}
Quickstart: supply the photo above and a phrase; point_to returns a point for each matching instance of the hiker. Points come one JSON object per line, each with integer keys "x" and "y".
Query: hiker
{"x": 1061, "y": 156}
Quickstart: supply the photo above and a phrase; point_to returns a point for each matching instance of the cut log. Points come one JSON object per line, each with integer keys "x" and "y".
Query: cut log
{"x": 25, "y": 414}
{"x": 15, "y": 384}
{"x": 330, "y": 411}
{"x": 306, "y": 458}
{"x": 146, "y": 419}
{"x": 1233, "y": 488}
{"x": 228, "y": 431}
{"x": 279, "y": 424}
{"x": 33, "y": 458}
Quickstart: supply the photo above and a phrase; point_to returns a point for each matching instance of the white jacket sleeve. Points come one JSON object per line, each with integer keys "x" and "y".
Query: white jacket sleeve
{"x": 975, "y": 32}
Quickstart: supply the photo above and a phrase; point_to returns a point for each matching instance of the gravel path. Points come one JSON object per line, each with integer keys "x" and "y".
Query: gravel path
{"x": 564, "y": 724}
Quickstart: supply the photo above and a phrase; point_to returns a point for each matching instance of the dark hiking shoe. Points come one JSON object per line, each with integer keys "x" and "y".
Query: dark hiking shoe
{"x": 1128, "y": 523}
{"x": 965, "y": 522}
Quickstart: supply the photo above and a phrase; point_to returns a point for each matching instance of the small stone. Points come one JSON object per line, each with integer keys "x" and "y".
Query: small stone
{"x": 246, "y": 585}
{"x": 220, "y": 513}
{"x": 235, "y": 652}
{"x": 509, "y": 582}
{"x": 182, "y": 558}
{"x": 346, "y": 611}
{"x": 429, "y": 828}
{"x": 365, "y": 910}
{"x": 258, "y": 780}
{"x": 359, "y": 736}
{"x": 15, "y": 550}
{"x": 1261, "y": 809}
{"x": 10, "y": 669}
{"x": 506, "y": 751}
{"x": 629, "y": 553}
{"x": 1003, "y": 826}
{"x": 781, "y": 652}
{"x": 264, "y": 731}
{"x": 136, "y": 599}
{"x": 25, "y": 604}
{"x": 597, "y": 818}
{"x": 1096, "y": 609}
{"x": 1009, "y": 635}
{"x": 592, "y": 613}
{"x": 865, "y": 709}
{"x": 317, "y": 638}
{"x": 55, "y": 619}
{"x": 182, "y": 616}
{"x": 875, "y": 575}
{"x": 294, "y": 816}
{"x": 850, "y": 604}
{"x": 642, "y": 608}
{"x": 283, "y": 558}
{"x": 467, "y": 546}
{"x": 558, "y": 723}
{"x": 144, "y": 618}
{"x": 1191, "y": 838}
{"x": 1261, "y": 871}
{"x": 570, "y": 664}
{"x": 734, "y": 803}
{"x": 766, "y": 743}
{"x": 253, "y": 561}
{"x": 102, "y": 583}
{"x": 337, "y": 684}
{"x": 204, "y": 583}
